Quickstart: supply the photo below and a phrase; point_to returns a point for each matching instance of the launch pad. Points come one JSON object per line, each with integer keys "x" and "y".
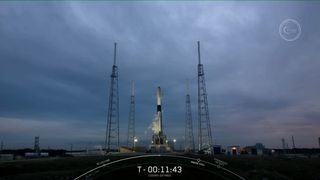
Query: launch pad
{"x": 159, "y": 143}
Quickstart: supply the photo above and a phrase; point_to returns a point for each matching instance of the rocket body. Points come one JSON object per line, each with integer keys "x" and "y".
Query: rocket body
{"x": 158, "y": 137}
{"x": 159, "y": 113}
{"x": 159, "y": 96}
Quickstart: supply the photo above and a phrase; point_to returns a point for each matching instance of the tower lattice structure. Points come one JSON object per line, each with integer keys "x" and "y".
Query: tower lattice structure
{"x": 131, "y": 125}
{"x": 189, "y": 138}
{"x": 37, "y": 145}
{"x": 112, "y": 132}
{"x": 204, "y": 131}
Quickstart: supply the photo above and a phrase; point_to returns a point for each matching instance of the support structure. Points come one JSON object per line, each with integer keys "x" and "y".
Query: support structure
{"x": 131, "y": 124}
{"x": 293, "y": 144}
{"x": 37, "y": 145}
{"x": 1, "y": 146}
{"x": 189, "y": 139}
{"x": 112, "y": 131}
{"x": 283, "y": 143}
{"x": 204, "y": 136}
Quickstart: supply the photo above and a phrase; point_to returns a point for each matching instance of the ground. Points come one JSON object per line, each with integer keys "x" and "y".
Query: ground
{"x": 249, "y": 167}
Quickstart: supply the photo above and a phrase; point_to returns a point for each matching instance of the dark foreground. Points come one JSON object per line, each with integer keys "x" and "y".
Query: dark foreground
{"x": 248, "y": 167}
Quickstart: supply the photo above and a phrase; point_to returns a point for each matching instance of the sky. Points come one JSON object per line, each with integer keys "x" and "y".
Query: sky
{"x": 56, "y": 60}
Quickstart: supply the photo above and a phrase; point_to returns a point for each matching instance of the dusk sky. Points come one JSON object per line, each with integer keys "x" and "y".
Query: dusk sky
{"x": 56, "y": 60}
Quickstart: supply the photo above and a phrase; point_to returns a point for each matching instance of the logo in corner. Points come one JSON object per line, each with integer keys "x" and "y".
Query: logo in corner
{"x": 290, "y": 30}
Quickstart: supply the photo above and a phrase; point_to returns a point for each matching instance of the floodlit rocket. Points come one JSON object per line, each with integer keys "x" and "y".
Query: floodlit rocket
{"x": 159, "y": 143}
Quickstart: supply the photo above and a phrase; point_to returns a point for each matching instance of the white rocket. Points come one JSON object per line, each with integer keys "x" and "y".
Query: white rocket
{"x": 159, "y": 113}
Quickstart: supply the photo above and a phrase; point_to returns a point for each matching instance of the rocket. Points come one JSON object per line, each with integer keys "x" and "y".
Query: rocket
{"x": 159, "y": 113}
{"x": 158, "y": 137}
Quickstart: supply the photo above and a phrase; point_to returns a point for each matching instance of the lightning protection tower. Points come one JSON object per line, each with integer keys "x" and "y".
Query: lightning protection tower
{"x": 283, "y": 141}
{"x": 112, "y": 131}
{"x": 189, "y": 139}
{"x": 37, "y": 145}
{"x": 204, "y": 134}
{"x": 131, "y": 124}
{"x": 293, "y": 144}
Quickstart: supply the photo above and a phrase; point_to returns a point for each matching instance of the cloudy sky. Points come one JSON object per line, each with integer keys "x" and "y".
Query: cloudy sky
{"x": 56, "y": 58}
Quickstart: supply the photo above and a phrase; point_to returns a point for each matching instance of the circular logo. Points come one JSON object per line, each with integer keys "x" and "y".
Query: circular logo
{"x": 290, "y": 30}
